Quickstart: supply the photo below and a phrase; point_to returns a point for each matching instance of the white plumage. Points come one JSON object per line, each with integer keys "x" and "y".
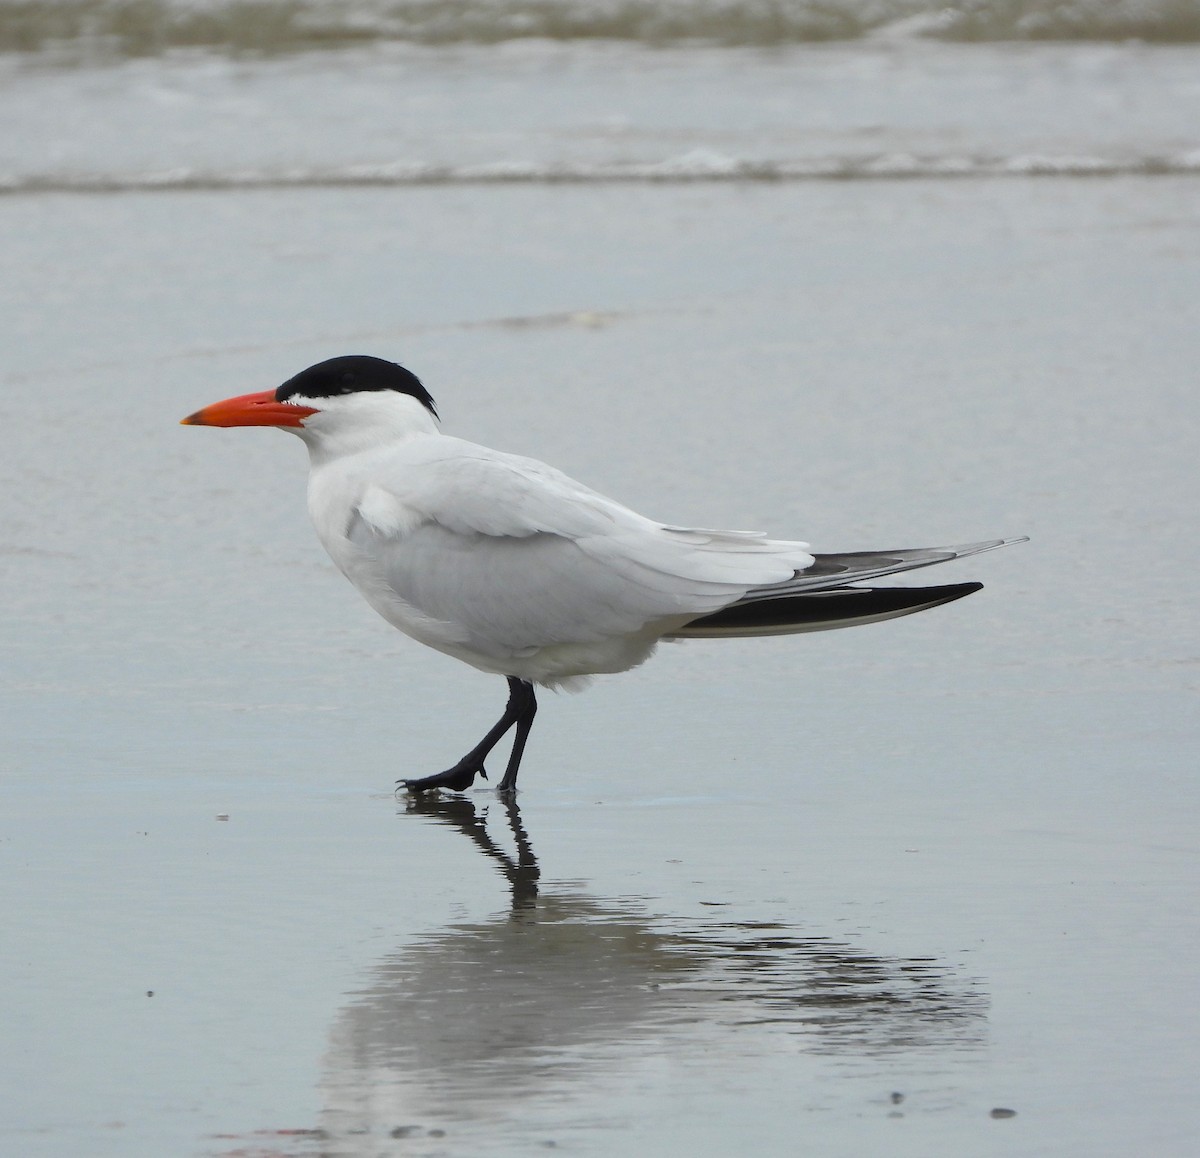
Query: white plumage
{"x": 511, "y": 566}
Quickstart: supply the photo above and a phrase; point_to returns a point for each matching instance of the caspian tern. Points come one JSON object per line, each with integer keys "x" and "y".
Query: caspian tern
{"x": 511, "y": 566}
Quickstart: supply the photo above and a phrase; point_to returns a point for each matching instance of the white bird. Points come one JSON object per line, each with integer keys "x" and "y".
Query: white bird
{"x": 511, "y": 566}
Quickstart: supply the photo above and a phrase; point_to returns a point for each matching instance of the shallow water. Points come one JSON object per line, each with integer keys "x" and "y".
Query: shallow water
{"x": 393, "y": 115}
{"x": 847, "y": 893}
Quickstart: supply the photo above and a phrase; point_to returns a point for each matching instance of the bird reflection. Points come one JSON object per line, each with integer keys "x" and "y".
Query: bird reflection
{"x": 548, "y": 1000}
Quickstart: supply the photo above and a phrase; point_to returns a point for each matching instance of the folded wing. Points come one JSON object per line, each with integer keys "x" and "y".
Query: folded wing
{"x": 511, "y": 556}
{"x": 507, "y": 555}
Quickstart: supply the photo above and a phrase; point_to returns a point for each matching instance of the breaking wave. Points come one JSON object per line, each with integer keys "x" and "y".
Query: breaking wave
{"x": 147, "y": 27}
{"x": 697, "y": 166}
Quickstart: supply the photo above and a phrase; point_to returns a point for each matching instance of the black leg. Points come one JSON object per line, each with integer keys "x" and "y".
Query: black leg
{"x": 519, "y": 710}
{"x": 524, "y": 723}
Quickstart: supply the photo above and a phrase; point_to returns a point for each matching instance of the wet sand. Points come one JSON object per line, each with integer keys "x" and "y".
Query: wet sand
{"x": 951, "y": 858}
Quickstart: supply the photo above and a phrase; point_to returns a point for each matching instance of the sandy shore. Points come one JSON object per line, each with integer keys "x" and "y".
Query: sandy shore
{"x": 951, "y": 858}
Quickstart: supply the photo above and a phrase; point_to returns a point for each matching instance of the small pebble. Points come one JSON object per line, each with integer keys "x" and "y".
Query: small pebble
{"x": 1001, "y": 1112}
{"x": 405, "y": 1131}
{"x": 897, "y": 1097}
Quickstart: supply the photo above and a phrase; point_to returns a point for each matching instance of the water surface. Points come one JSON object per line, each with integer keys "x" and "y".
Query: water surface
{"x": 848, "y": 893}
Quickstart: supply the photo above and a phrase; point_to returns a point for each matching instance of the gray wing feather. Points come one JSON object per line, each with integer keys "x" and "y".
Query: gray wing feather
{"x": 830, "y": 571}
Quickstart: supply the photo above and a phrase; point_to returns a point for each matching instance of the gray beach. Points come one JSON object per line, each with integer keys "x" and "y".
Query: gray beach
{"x": 859, "y": 892}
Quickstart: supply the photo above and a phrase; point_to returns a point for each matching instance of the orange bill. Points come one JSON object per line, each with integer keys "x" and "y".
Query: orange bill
{"x": 250, "y": 410}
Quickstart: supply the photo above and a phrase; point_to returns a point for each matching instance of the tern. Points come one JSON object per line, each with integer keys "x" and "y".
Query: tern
{"x": 509, "y": 565}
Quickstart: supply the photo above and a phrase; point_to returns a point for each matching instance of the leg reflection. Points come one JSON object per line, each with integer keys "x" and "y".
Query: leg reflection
{"x": 520, "y": 870}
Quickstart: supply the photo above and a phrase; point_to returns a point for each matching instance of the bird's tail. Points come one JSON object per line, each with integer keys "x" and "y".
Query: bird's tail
{"x": 823, "y": 596}
{"x": 820, "y": 610}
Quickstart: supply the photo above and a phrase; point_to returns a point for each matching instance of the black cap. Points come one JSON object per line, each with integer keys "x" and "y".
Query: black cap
{"x": 352, "y": 374}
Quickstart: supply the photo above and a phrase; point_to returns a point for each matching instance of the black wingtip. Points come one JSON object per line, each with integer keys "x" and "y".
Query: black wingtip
{"x": 824, "y": 610}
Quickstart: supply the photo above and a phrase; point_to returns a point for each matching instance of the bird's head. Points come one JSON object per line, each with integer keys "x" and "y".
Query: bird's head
{"x": 326, "y": 399}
